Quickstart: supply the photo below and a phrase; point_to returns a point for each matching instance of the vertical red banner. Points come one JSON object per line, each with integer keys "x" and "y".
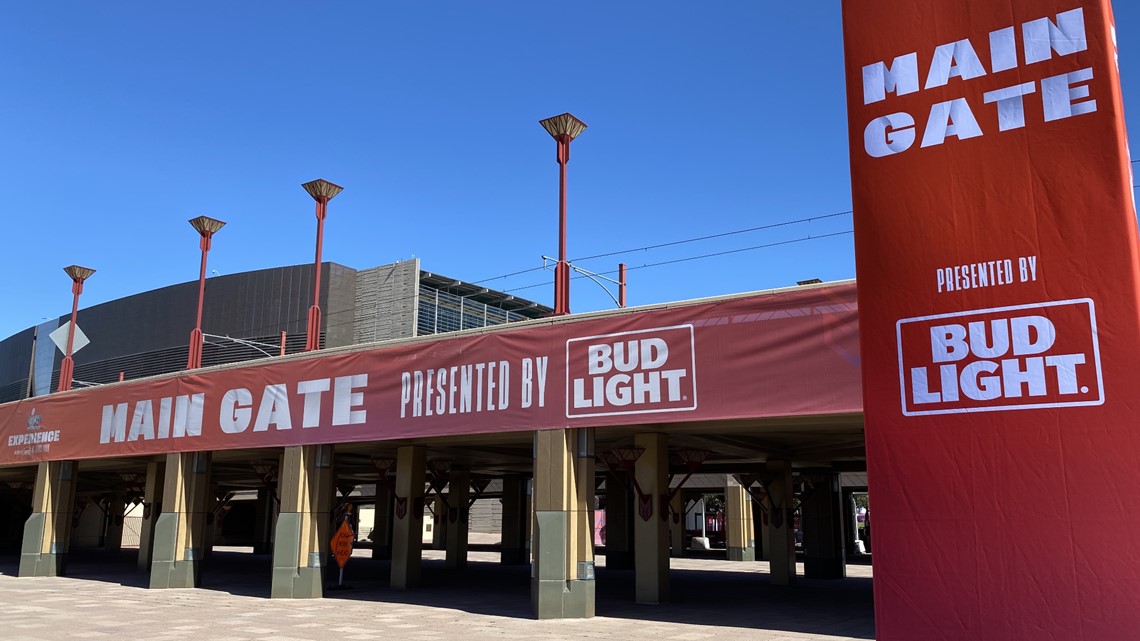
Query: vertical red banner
{"x": 996, "y": 246}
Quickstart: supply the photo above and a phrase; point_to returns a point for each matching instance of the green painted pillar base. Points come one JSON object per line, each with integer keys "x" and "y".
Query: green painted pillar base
{"x": 557, "y": 599}
{"x": 297, "y": 583}
{"x": 33, "y": 562}
{"x": 42, "y": 564}
{"x": 742, "y": 554}
{"x": 175, "y": 574}
{"x": 289, "y": 580}
{"x": 165, "y": 571}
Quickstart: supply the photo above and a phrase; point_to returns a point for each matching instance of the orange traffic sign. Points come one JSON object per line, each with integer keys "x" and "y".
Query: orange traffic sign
{"x": 341, "y": 543}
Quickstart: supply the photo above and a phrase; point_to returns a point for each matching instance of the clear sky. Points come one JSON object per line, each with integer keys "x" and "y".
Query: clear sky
{"x": 121, "y": 120}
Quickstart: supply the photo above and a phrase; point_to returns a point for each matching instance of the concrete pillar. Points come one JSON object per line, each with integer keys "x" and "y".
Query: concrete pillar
{"x": 822, "y": 523}
{"x": 458, "y": 519}
{"x": 781, "y": 534}
{"x": 301, "y": 545}
{"x": 759, "y": 528}
{"x": 438, "y": 523}
{"x": 562, "y": 538}
{"x": 47, "y": 531}
{"x": 651, "y": 536}
{"x": 408, "y": 532}
{"x": 516, "y": 514}
{"x": 116, "y": 510}
{"x": 212, "y": 525}
{"x": 263, "y": 521}
{"x": 179, "y": 532}
{"x": 738, "y": 522}
{"x": 677, "y": 525}
{"x": 619, "y": 522}
{"x": 152, "y": 507}
{"x": 382, "y": 522}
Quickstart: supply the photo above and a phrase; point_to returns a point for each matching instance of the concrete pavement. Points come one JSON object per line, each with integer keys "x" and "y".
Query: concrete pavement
{"x": 711, "y": 600}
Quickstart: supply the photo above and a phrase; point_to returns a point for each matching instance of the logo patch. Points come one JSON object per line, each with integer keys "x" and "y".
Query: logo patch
{"x": 1008, "y": 358}
{"x": 639, "y": 372}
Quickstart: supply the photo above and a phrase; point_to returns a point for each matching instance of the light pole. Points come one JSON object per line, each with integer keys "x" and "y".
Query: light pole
{"x": 322, "y": 191}
{"x": 564, "y": 129}
{"x": 206, "y": 227}
{"x": 67, "y": 368}
{"x": 621, "y": 285}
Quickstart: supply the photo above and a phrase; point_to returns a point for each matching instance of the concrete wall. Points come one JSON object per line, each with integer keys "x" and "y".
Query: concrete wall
{"x": 487, "y": 516}
{"x": 387, "y": 301}
{"x": 340, "y": 301}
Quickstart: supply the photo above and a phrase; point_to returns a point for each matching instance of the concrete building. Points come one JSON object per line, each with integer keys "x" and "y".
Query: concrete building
{"x": 247, "y": 314}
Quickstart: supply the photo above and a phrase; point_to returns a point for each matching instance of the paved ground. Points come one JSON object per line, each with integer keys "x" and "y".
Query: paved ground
{"x": 712, "y": 599}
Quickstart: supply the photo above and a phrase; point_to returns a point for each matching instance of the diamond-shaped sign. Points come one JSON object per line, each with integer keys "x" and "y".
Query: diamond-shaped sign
{"x": 59, "y": 337}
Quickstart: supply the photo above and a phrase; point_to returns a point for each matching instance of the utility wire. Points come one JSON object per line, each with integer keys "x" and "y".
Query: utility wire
{"x": 701, "y": 257}
{"x": 785, "y": 223}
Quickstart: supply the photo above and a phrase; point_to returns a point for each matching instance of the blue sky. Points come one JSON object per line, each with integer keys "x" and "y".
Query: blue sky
{"x": 120, "y": 121}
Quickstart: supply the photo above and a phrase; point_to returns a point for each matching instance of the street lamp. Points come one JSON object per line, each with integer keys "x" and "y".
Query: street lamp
{"x": 564, "y": 129}
{"x": 206, "y": 227}
{"x": 67, "y": 368}
{"x": 322, "y": 191}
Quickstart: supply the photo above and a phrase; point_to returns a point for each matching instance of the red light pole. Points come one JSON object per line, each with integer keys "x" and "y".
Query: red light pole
{"x": 322, "y": 191}
{"x": 67, "y": 368}
{"x": 564, "y": 129}
{"x": 206, "y": 227}
{"x": 621, "y": 284}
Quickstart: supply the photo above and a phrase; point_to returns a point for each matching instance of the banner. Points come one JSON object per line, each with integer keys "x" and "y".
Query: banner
{"x": 996, "y": 249}
{"x": 766, "y": 355}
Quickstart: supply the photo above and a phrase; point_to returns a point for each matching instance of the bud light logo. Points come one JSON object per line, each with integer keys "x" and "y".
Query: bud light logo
{"x": 1008, "y": 358}
{"x": 640, "y": 372}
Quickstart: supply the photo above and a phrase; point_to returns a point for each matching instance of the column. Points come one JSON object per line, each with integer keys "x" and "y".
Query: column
{"x": 180, "y": 530}
{"x": 438, "y": 523}
{"x": 822, "y": 522}
{"x": 263, "y": 522}
{"x": 408, "y": 531}
{"x": 212, "y": 513}
{"x": 116, "y": 509}
{"x": 515, "y": 517}
{"x": 782, "y": 542}
{"x": 458, "y": 518}
{"x": 759, "y": 527}
{"x": 152, "y": 507}
{"x": 562, "y": 577}
{"x": 301, "y": 544}
{"x": 619, "y": 526}
{"x": 382, "y": 523}
{"x": 738, "y": 521}
{"x": 48, "y": 530}
{"x": 677, "y": 525}
{"x": 651, "y": 535}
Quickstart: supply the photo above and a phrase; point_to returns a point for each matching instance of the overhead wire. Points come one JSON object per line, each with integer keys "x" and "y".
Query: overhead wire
{"x": 276, "y": 326}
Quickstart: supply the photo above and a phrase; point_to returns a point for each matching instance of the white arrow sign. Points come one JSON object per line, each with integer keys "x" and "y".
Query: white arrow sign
{"x": 59, "y": 337}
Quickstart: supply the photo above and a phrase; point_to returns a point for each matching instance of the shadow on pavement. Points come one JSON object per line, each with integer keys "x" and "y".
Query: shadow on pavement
{"x": 9, "y": 563}
{"x": 747, "y": 600}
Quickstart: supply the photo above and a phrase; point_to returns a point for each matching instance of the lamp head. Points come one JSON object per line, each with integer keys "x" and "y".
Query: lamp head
{"x": 322, "y": 190}
{"x": 206, "y": 226}
{"x": 78, "y": 274}
{"x": 563, "y": 125}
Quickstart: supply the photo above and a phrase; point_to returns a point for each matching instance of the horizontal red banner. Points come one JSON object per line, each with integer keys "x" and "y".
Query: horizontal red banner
{"x": 780, "y": 354}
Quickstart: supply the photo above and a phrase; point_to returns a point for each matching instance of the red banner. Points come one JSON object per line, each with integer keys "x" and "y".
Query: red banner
{"x": 996, "y": 245}
{"x": 779, "y": 354}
